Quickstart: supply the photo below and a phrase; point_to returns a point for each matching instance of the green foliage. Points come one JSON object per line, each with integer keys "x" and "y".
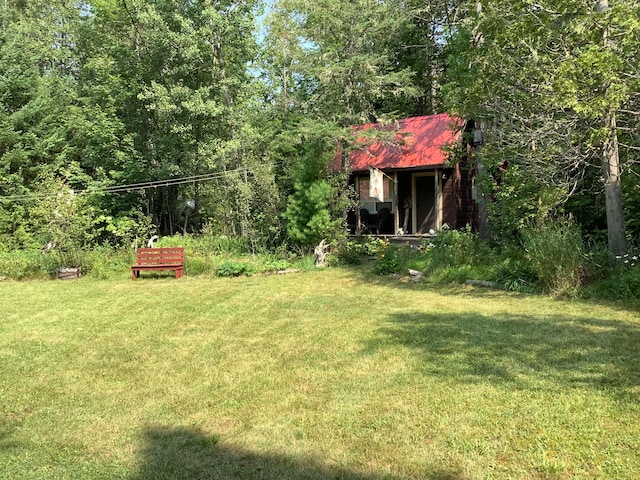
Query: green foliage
{"x": 128, "y": 92}
{"x": 74, "y": 258}
{"x": 512, "y": 271}
{"x": 63, "y": 220}
{"x": 229, "y": 258}
{"x": 234, "y": 269}
{"x": 315, "y": 208}
{"x": 631, "y": 190}
{"x": 182, "y": 103}
{"x": 125, "y": 229}
{"x": 106, "y": 262}
{"x": 22, "y": 264}
{"x": 341, "y": 60}
{"x": 224, "y": 243}
{"x": 273, "y": 264}
{"x": 623, "y": 283}
{"x": 454, "y": 247}
{"x": 556, "y": 253}
{"x": 309, "y": 219}
{"x": 552, "y": 258}
{"x": 199, "y": 265}
{"x": 305, "y": 263}
{"x": 552, "y": 89}
{"x": 518, "y": 200}
{"x": 459, "y": 274}
{"x": 354, "y": 252}
{"x": 388, "y": 260}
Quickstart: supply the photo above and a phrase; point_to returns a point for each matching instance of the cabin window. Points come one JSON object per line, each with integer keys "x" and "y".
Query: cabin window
{"x": 374, "y": 204}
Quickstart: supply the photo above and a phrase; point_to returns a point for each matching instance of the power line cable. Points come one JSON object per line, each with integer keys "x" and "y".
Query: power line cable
{"x": 123, "y": 188}
{"x": 132, "y": 186}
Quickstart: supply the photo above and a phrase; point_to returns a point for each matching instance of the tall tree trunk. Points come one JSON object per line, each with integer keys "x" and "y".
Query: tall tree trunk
{"x": 611, "y": 168}
{"x": 484, "y": 222}
{"x": 612, "y": 189}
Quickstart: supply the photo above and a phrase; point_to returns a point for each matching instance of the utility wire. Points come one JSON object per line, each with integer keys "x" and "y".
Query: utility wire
{"x": 131, "y": 186}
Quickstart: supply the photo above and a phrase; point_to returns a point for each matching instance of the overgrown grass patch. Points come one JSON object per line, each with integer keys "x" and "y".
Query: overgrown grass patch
{"x": 109, "y": 263}
{"x": 325, "y": 374}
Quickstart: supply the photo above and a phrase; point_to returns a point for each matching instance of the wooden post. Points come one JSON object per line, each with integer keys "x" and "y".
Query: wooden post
{"x": 396, "y": 208}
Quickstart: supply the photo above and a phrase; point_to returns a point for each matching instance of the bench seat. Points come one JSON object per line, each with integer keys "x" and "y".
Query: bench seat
{"x": 164, "y": 258}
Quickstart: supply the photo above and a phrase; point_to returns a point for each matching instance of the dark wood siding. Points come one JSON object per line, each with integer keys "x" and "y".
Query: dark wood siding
{"x": 458, "y": 206}
{"x": 450, "y": 187}
{"x": 467, "y": 208}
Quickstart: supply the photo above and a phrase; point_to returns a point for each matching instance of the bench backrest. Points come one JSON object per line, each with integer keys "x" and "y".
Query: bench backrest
{"x": 157, "y": 256}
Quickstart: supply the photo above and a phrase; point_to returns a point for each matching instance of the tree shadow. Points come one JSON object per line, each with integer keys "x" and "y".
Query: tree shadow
{"x": 404, "y": 282}
{"x": 457, "y": 290}
{"x": 191, "y": 454}
{"x": 515, "y": 348}
{"x": 9, "y": 423}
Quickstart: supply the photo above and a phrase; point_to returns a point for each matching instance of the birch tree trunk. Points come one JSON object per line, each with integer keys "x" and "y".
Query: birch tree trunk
{"x": 611, "y": 168}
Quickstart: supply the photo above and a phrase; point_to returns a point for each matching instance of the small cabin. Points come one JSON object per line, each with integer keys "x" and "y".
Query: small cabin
{"x": 407, "y": 181}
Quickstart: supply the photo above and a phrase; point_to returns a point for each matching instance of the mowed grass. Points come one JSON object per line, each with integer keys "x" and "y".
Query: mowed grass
{"x": 317, "y": 375}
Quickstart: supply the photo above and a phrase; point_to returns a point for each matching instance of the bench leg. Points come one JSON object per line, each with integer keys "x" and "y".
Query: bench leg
{"x": 177, "y": 272}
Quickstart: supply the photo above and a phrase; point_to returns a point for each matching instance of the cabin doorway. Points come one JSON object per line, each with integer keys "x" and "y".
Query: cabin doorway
{"x": 425, "y": 202}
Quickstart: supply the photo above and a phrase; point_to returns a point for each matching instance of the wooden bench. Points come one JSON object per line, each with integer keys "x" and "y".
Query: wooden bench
{"x": 167, "y": 258}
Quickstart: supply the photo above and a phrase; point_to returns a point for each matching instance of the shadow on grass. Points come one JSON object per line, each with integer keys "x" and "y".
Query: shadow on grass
{"x": 519, "y": 349}
{"x": 190, "y": 454}
{"x": 365, "y": 274}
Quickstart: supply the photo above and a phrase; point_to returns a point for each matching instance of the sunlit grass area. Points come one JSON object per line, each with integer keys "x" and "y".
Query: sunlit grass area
{"x": 326, "y": 374}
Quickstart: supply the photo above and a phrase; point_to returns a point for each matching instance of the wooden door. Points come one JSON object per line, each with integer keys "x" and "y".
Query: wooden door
{"x": 425, "y": 205}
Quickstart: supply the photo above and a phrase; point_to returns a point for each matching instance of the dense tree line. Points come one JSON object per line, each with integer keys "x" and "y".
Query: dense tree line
{"x": 556, "y": 89}
{"x": 240, "y": 113}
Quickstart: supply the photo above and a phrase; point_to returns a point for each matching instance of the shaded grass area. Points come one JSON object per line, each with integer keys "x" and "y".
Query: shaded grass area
{"x": 318, "y": 375}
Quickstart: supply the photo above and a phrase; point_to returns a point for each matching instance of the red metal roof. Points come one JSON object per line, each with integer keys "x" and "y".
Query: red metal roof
{"x": 418, "y": 142}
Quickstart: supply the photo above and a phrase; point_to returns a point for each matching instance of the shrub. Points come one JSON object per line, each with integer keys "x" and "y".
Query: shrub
{"x": 348, "y": 255}
{"x": 623, "y": 283}
{"x": 457, "y": 274}
{"x": 388, "y": 261}
{"x": 454, "y": 247}
{"x": 620, "y": 286}
{"x": 270, "y": 264}
{"x": 22, "y": 264}
{"x": 234, "y": 269}
{"x": 353, "y": 252}
{"x": 126, "y": 228}
{"x": 308, "y": 214}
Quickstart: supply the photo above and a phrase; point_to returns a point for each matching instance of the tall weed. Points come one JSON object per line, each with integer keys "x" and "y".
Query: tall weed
{"x": 450, "y": 248}
{"x": 22, "y": 264}
{"x": 207, "y": 244}
{"x": 556, "y": 254}
{"x": 105, "y": 262}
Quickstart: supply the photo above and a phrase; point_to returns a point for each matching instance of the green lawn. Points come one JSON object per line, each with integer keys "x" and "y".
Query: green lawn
{"x": 326, "y": 374}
